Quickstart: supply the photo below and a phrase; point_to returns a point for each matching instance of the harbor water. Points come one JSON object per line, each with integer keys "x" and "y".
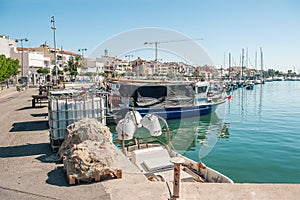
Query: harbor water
{"x": 253, "y": 138}
{"x": 264, "y": 135}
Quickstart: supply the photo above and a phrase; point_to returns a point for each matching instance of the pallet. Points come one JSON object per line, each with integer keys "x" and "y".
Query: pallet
{"x": 108, "y": 174}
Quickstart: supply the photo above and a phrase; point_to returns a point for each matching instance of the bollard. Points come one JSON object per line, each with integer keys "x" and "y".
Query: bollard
{"x": 176, "y": 180}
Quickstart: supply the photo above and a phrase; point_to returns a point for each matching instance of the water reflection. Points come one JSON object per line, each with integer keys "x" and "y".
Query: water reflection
{"x": 193, "y": 137}
{"x": 197, "y": 135}
{"x": 249, "y": 102}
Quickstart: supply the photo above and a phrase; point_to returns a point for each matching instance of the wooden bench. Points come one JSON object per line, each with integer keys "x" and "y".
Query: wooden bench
{"x": 38, "y": 99}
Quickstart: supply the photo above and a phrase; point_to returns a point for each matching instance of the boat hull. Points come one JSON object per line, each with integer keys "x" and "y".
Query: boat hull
{"x": 173, "y": 112}
{"x": 198, "y": 171}
{"x": 249, "y": 87}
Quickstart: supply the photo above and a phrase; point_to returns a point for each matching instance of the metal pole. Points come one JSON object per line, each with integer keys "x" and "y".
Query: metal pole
{"x": 128, "y": 56}
{"x": 261, "y": 61}
{"x": 22, "y": 55}
{"x": 155, "y": 51}
{"x": 22, "y": 58}
{"x": 242, "y": 62}
{"x": 62, "y": 60}
{"x": 229, "y": 65}
{"x": 256, "y": 60}
{"x": 82, "y": 55}
{"x": 54, "y": 40}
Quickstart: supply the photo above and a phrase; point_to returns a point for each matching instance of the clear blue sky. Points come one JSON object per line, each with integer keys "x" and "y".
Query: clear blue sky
{"x": 225, "y": 25}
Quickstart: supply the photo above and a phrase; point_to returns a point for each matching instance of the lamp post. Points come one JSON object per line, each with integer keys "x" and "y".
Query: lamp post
{"x": 128, "y": 56}
{"x": 82, "y": 55}
{"x": 53, "y": 27}
{"x": 21, "y": 40}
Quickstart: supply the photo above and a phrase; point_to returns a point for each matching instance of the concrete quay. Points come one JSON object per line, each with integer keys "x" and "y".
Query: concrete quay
{"x": 27, "y": 173}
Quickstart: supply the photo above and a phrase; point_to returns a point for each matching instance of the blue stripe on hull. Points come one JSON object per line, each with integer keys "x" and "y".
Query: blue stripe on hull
{"x": 175, "y": 112}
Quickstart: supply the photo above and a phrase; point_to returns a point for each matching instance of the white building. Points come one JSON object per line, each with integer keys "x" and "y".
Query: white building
{"x": 94, "y": 66}
{"x": 114, "y": 64}
{"x": 5, "y": 44}
{"x": 30, "y": 62}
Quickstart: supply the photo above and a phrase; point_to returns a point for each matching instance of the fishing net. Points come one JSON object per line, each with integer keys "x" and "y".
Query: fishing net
{"x": 85, "y": 129}
{"x": 88, "y": 151}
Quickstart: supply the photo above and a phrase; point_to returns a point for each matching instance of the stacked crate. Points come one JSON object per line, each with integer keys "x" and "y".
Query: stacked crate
{"x": 65, "y": 110}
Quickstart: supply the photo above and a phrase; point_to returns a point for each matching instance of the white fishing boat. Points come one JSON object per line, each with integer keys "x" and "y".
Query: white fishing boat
{"x": 278, "y": 78}
{"x": 153, "y": 158}
{"x": 257, "y": 81}
{"x": 269, "y": 79}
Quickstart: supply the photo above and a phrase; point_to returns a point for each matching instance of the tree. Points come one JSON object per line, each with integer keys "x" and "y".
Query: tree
{"x": 73, "y": 65}
{"x": 59, "y": 72}
{"x": 89, "y": 74}
{"x": 43, "y": 71}
{"x": 103, "y": 74}
{"x": 8, "y": 67}
{"x": 271, "y": 72}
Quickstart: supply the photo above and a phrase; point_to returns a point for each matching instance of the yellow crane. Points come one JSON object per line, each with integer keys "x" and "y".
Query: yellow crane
{"x": 167, "y": 41}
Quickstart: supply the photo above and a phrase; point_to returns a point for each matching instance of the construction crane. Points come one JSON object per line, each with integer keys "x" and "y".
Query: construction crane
{"x": 167, "y": 41}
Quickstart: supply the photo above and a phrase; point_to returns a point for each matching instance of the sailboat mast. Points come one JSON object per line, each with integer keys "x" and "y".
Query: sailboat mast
{"x": 242, "y": 63}
{"x": 247, "y": 58}
{"x": 229, "y": 64}
{"x": 256, "y": 60}
{"x": 261, "y": 62}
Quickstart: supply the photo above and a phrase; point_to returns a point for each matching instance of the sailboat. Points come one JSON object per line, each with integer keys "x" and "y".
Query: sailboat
{"x": 260, "y": 80}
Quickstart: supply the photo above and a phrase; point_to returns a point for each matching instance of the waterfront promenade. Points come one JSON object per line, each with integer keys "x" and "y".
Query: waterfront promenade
{"x": 28, "y": 173}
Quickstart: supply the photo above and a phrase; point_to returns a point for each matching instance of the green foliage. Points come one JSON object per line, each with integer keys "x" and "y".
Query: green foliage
{"x": 8, "y": 67}
{"x": 89, "y": 74}
{"x": 74, "y": 73}
{"x": 103, "y": 74}
{"x": 271, "y": 72}
{"x": 115, "y": 74}
{"x": 73, "y": 64}
{"x": 60, "y": 72}
{"x": 43, "y": 71}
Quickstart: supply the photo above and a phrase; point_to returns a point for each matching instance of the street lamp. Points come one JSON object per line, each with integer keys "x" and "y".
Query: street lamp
{"x": 53, "y": 27}
{"x": 21, "y": 40}
{"x": 128, "y": 56}
{"x": 82, "y": 55}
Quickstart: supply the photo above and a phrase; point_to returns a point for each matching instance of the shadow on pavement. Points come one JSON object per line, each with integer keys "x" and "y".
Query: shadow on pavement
{"x": 30, "y": 126}
{"x": 42, "y": 149}
{"x": 40, "y": 115}
{"x": 30, "y": 107}
{"x": 26, "y": 150}
{"x": 57, "y": 177}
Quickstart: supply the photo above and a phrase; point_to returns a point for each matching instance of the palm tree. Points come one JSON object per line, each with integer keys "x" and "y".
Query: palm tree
{"x": 73, "y": 65}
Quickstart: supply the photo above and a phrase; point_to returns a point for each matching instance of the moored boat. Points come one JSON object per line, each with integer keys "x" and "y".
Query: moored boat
{"x": 269, "y": 79}
{"x": 278, "y": 78}
{"x": 258, "y": 81}
{"x": 169, "y": 100}
{"x": 249, "y": 85}
{"x": 153, "y": 157}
